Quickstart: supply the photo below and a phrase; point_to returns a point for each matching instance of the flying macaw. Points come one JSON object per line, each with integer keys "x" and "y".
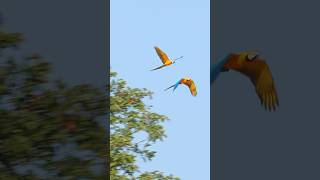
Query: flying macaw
{"x": 188, "y": 82}
{"x": 255, "y": 68}
{"x": 164, "y": 58}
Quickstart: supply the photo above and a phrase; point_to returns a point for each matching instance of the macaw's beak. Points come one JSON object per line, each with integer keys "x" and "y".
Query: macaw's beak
{"x": 232, "y": 62}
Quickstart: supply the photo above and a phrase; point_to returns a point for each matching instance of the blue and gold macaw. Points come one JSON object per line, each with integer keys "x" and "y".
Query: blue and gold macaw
{"x": 188, "y": 82}
{"x": 255, "y": 68}
{"x": 164, "y": 58}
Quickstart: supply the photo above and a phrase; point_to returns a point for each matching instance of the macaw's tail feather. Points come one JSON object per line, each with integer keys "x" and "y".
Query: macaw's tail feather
{"x": 217, "y": 68}
{"x": 174, "y": 86}
{"x": 169, "y": 87}
{"x": 177, "y": 58}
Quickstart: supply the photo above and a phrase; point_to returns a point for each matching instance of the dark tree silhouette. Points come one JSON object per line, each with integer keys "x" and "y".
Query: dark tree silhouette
{"x": 48, "y": 129}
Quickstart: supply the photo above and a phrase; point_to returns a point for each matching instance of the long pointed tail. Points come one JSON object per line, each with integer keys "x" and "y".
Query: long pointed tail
{"x": 174, "y": 86}
{"x": 177, "y": 58}
{"x": 169, "y": 87}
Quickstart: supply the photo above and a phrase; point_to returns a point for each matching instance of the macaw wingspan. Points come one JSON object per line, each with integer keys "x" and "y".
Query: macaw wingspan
{"x": 216, "y": 68}
{"x": 260, "y": 75}
{"x": 163, "y": 56}
{"x": 158, "y": 67}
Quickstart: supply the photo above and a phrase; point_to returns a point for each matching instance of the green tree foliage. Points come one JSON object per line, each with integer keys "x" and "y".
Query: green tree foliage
{"x": 41, "y": 118}
{"x": 133, "y": 129}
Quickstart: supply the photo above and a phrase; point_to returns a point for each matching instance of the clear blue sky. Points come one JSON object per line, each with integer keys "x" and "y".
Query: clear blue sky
{"x": 180, "y": 28}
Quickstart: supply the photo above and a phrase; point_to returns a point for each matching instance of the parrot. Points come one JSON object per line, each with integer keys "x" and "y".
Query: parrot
{"x": 256, "y": 69}
{"x": 164, "y": 58}
{"x": 188, "y": 82}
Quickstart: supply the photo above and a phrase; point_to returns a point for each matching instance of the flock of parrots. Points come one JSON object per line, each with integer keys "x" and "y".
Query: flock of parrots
{"x": 248, "y": 63}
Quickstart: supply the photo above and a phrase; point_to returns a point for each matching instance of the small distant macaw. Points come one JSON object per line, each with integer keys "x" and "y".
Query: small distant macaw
{"x": 188, "y": 82}
{"x": 255, "y": 68}
{"x": 164, "y": 58}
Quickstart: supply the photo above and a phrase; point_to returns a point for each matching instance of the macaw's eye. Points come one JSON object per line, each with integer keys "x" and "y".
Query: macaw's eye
{"x": 251, "y": 57}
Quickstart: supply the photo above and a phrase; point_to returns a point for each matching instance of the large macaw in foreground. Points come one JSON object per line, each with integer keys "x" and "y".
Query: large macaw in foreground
{"x": 249, "y": 64}
{"x": 164, "y": 58}
{"x": 188, "y": 82}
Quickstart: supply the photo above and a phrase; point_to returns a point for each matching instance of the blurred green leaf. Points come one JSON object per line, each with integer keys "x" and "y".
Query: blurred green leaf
{"x": 129, "y": 118}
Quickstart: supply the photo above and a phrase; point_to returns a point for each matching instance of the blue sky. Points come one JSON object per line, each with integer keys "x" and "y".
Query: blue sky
{"x": 180, "y": 28}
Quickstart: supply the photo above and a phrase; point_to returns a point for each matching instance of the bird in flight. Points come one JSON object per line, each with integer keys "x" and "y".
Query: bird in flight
{"x": 255, "y": 68}
{"x": 164, "y": 58}
{"x": 188, "y": 82}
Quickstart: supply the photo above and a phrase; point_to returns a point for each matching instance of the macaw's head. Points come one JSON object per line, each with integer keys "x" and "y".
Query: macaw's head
{"x": 237, "y": 61}
{"x": 185, "y": 80}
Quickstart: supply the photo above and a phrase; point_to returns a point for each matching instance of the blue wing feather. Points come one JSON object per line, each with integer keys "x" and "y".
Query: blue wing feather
{"x": 216, "y": 68}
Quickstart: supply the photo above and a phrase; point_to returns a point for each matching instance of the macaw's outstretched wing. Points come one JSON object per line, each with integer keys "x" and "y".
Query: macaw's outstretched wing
{"x": 174, "y": 86}
{"x": 163, "y": 56}
{"x": 217, "y": 68}
{"x": 192, "y": 87}
{"x": 158, "y": 67}
{"x": 260, "y": 75}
